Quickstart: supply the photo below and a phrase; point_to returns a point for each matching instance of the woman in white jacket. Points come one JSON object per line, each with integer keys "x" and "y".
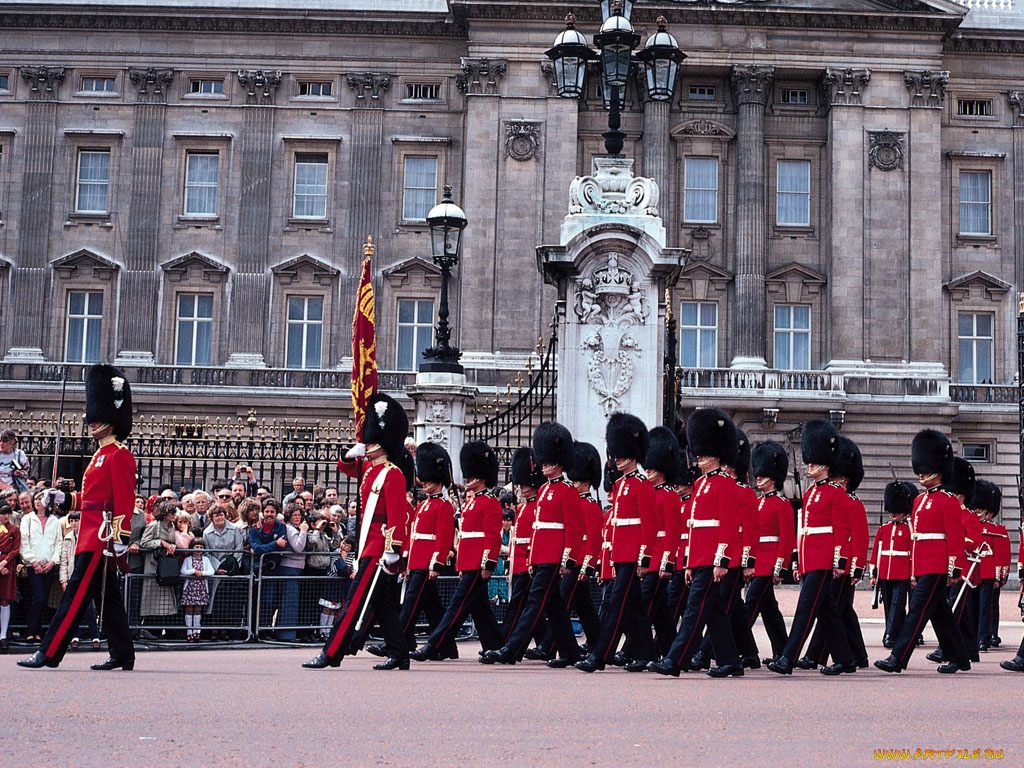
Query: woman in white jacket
{"x": 41, "y": 539}
{"x": 197, "y": 568}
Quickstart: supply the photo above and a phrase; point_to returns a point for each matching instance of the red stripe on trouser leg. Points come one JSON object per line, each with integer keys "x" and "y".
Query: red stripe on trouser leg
{"x": 458, "y": 613}
{"x": 355, "y": 605}
{"x": 757, "y": 607}
{"x": 700, "y": 615}
{"x": 415, "y": 608}
{"x": 615, "y": 632}
{"x": 920, "y": 625}
{"x": 76, "y": 603}
{"x": 813, "y": 616}
{"x": 540, "y": 611}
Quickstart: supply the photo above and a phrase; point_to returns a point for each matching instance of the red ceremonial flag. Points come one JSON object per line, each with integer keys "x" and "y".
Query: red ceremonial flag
{"x": 364, "y": 345}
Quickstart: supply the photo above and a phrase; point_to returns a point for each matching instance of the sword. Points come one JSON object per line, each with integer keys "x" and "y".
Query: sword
{"x": 106, "y": 535}
{"x": 369, "y": 597}
{"x": 60, "y": 418}
{"x": 970, "y": 572}
{"x": 878, "y": 578}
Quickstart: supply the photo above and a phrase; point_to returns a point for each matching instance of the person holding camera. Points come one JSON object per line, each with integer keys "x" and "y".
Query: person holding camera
{"x": 13, "y": 463}
{"x": 243, "y": 484}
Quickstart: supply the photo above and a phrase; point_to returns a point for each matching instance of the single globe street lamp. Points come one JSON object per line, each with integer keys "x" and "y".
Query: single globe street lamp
{"x": 446, "y": 221}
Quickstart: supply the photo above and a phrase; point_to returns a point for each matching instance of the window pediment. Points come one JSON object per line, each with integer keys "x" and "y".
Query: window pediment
{"x": 704, "y": 279}
{"x": 177, "y": 269}
{"x": 797, "y": 281}
{"x": 85, "y": 263}
{"x": 305, "y": 266}
{"x": 704, "y": 127}
{"x": 414, "y": 272}
{"x": 977, "y": 285}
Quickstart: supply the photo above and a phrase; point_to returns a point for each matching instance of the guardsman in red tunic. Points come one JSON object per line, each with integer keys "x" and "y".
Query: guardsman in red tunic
{"x": 556, "y": 548}
{"x": 716, "y": 543}
{"x": 1002, "y": 572}
{"x": 987, "y": 500}
{"x": 822, "y": 535}
{"x": 634, "y": 529}
{"x": 479, "y": 544}
{"x": 527, "y": 477}
{"x": 605, "y": 569}
{"x": 677, "y": 587}
{"x": 106, "y": 502}
{"x": 383, "y": 533}
{"x": 776, "y": 539}
{"x": 890, "y": 558}
{"x": 937, "y": 540}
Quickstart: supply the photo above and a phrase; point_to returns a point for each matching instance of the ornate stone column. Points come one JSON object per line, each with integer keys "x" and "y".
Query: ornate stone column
{"x": 30, "y": 278}
{"x": 139, "y": 307}
{"x": 251, "y": 283}
{"x": 751, "y": 87}
{"x": 656, "y": 147}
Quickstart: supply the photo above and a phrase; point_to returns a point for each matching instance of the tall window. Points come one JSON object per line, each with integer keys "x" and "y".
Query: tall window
{"x": 415, "y": 329}
{"x": 698, "y": 335}
{"x": 792, "y": 337}
{"x": 93, "y": 181}
{"x": 974, "y": 332}
{"x": 310, "y": 187}
{"x": 195, "y": 329}
{"x": 85, "y": 320}
{"x": 700, "y": 190}
{"x": 793, "y": 193}
{"x": 420, "y": 193}
{"x": 975, "y": 203}
{"x": 201, "y": 169}
{"x": 305, "y": 332}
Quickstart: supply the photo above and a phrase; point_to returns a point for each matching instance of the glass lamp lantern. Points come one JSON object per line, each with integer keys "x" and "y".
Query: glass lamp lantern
{"x": 446, "y": 221}
{"x": 608, "y": 9}
{"x": 616, "y": 40}
{"x": 661, "y": 57}
{"x": 570, "y": 55}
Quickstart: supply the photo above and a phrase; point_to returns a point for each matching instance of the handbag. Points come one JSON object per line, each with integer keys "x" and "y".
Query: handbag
{"x": 230, "y": 565}
{"x": 168, "y": 571}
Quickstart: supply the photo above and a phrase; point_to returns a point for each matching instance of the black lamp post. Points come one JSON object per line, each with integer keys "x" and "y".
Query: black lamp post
{"x": 446, "y": 221}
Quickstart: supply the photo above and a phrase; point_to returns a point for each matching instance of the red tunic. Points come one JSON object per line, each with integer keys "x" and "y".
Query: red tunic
{"x": 684, "y": 531}
{"x": 938, "y": 537}
{"x": 479, "y": 534}
{"x": 592, "y": 524}
{"x": 973, "y": 538}
{"x": 108, "y": 485}
{"x": 558, "y": 529}
{"x": 519, "y": 541}
{"x": 607, "y": 571}
{"x": 824, "y": 528}
{"x": 389, "y": 527}
{"x": 714, "y": 523}
{"x": 746, "y": 503}
{"x": 10, "y": 545}
{"x": 777, "y": 535}
{"x": 991, "y": 562}
{"x": 432, "y": 534}
{"x": 859, "y": 535}
{"x": 1002, "y": 551}
{"x": 634, "y": 520}
{"x": 890, "y": 554}
{"x": 667, "y": 541}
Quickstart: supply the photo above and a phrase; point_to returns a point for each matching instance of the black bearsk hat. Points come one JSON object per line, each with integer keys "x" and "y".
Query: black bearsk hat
{"x": 479, "y": 460}
{"x": 819, "y": 442}
{"x": 526, "y": 471}
{"x": 586, "y": 465}
{"x": 433, "y": 464}
{"x": 709, "y": 432}
{"x": 769, "y": 459}
{"x": 931, "y": 453}
{"x": 386, "y": 425}
{"x": 987, "y": 496}
{"x": 962, "y": 480}
{"x": 626, "y": 437}
{"x": 742, "y": 464}
{"x": 407, "y": 464}
{"x": 552, "y": 444}
{"x": 611, "y": 474}
{"x": 663, "y": 453}
{"x": 899, "y": 498}
{"x": 848, "y": 464}
{"x": 108, "y": 399}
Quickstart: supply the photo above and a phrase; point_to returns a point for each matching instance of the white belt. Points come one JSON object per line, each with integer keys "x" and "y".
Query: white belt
{"x": 523, "y": 541}
{"x": 471, "y": 535}
{"x": 768, "y": 539}
{"x": 661, "y": 535}
{"x": 424, "y": 537}
{"x": 894, "y": 553}
{"x": 539, "y": 526}
{"x": 626, "y": 521}
{"x": 684, "y": 535}
{"x": 819, "y": 529}
{"x": 606, "y": 545}
{"x": 929, "y": 536}
{"x": 702, "y": 523}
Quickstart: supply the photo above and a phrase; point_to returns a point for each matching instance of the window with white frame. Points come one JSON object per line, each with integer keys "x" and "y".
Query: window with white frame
{"x": 84, "y": 325}
{"x": 794, "y": 96}
{"x": 792, "y": 337}
{"x": 415, "y": 330}
{"x": 99, "y": 84}
{"x": 793, "y": 193}
{"x": 700, "y": 190}
{"x": 194, "y": 329}
{"x": 702, "y": 93}
{"x": 423, "y": 91}
{"x": 201, "y": 173}
{"x": 975, "y": 203}
{"x": 305, "y": 332}
{"x": 310, "y": 186}
{"x": 205, "y": 86}
{"x": 314, "y": 88}
{"x": 93, "y": 181}
{"x": 698, "y": 334}
{"x": 974, "y": 347}
{"x": 419, "y": 193}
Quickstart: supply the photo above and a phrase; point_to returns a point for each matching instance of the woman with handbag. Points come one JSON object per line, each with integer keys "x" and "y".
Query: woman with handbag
{"x": 158, "y": 543}
{"x": 224, "y": 549}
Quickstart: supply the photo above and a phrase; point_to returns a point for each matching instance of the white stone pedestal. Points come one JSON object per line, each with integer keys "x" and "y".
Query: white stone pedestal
{"x": 440, "y": 400}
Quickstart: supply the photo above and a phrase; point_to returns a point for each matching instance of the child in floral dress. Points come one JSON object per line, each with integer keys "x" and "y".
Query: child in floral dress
{"x": 195, "y": 595}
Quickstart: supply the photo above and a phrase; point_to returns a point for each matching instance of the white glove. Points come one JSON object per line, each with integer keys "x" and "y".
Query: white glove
{"x": 120, "y": 549}
{"x": 53, "y": 497}
{"x": 390, "y": 558}
{"x": 357, "y": 451}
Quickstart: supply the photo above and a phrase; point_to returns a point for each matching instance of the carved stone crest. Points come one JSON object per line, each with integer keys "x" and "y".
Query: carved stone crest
{"x": 885, "y": 150}
{"x": 438, "y": 435}
{"x": 845, "y": 86}
{"x": 151, "y": 81}
{"x": 260, "y": 86}
{"x": 927, "y": 88}
{"x": 522, "y": 140}
{"x": 614, "y": 189}
{"x": 44, "y": 81}
{"x": 374, "y": 82}
{"x": 439, "y": 411}
{"x": 704, "y": 127}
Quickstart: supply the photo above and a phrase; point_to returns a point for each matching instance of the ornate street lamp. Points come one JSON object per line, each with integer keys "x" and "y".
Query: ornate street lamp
{"x": 570, "y": 55}
{"x": 608, "y": 8}
{"x": 661, "y": 57}
{"x": 446, "y": 221}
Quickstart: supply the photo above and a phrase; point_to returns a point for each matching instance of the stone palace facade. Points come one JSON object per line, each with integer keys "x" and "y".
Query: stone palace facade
{"x": 186, "y": 189}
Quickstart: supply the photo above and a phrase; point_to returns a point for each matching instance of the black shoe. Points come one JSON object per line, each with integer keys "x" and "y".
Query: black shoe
{"x": 111, "y": 663}
{"x": 619, "y": 659}
{"x": 994, "y": 641}
{"x": 585, "y": 649}
{"x": 37, "y": 660}
{"x": 952, "y": 666}
{"x": 920, "y": 639}
{"x": 380, "y": 649}
{"x": 497, "y": 656}
{"x": 982, "y": 648}
{"x": 320, "y": 661}
{"x": 935, "y": 656}
{"x": 750, "y": 662}
{"x": 974, "y": 657}
{"x": 636, "y": 666}
{"x": 726, "y": 670}
{"x": 423, "y": 653}
{"x": 781, "y": 666}
{"x": 538, "y": 654}
{"x": 443, "y": 655}
{"x": 700, "y": 661}
{"x": 889, "y": 664}
{"x": 839, "y": 669}
{"x": 664, "y": 667}
{"x": 1016, "y": 664}
{"x": 805, "y": 662}
{"x": 769, "y": 660}
{"x": 560, "y": 663}
{"x": 590, "y": 663}
{"x": 393, "y": 663}
{"x": 888, "y": 643}
{"x": 863, "y": 663}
